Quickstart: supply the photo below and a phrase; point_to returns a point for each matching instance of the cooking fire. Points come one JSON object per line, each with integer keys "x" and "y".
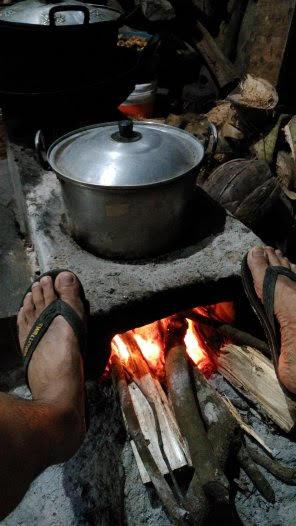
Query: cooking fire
{"x": 152, "y": 341}
{"x": 147, "y": 146}
{"x": 178, "y": 423}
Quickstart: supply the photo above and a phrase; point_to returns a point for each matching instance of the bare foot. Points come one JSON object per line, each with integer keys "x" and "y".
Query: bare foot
{"x": 284, "y": 307}
{"x": 55, "y": 371}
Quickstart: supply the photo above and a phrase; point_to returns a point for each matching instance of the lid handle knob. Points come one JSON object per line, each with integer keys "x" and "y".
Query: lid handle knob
{"x": 126, "y": 128}
{"x": 126, "y": 132}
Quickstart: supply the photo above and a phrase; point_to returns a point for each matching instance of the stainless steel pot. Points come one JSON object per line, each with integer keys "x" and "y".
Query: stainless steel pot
{"x": 126, "y": 187}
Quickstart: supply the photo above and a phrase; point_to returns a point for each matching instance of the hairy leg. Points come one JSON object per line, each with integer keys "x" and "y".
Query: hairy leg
{"x": 48, "y": 429}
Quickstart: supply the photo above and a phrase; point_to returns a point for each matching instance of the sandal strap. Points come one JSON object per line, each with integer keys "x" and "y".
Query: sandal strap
{"x": 269, "y": 283}
{"x": 57, "y": 308}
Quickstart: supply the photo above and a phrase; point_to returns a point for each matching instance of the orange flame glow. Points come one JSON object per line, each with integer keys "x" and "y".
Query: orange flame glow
{"x": 194, "y": 350}
{"x": 200, "y": 340}
{"x": 121, "y": 348}
{"x": 150, "y": 349}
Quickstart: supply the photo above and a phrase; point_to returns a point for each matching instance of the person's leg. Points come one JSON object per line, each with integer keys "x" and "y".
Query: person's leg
{"x": 284, "y": 307}
{"x": 50, "y": 428}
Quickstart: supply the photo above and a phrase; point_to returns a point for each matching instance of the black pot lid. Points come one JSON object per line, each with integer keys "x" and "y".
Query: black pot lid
{"x": 125, "y": 155}
{"x": 44, "y": 13}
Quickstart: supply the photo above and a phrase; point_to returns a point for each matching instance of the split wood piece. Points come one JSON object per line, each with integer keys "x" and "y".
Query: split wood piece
{"x": 156, "y": 418}
{"x": 290, "y": 133}
{"x": 281, "y": 472}
{"x": 173, "y": 444}
{"x": 254, "y": 376}
{"x": 235, "y": 335}
{"x": 223, "y": 430}
{"x": 269, "y": 36}
{"x": 178, "y": 514}
{"x": 207, "y": 469}
{"x": 255, "y": 475}
{"x": 220, "y": 66}
{"x": 157, "y": 421}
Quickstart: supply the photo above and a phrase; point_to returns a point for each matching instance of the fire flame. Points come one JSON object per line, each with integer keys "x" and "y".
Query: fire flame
{"x": 121, "y": 348}
{"x": 200, "y": 340}
{"x": 194, "y": 350}
{"x": 150, "y": 350}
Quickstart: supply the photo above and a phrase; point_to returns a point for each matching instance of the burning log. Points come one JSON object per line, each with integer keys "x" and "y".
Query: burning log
{"x": 254, "y": 376}
{"x": 178, "y": 514}
{"x": 207, "y": 469}
{"x": 236, "y": 336}
{"x": 155, "y": 417}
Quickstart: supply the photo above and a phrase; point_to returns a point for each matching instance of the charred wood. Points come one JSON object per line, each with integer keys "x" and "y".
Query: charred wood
{"x": 223, "y": 430}
{"x": 281, "y": 472}
{"x": 255, "y": 475}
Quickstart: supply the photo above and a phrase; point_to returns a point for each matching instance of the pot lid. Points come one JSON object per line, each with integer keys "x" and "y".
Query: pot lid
{"x": 59, "y": 13}
{"x": 125, "y": 154}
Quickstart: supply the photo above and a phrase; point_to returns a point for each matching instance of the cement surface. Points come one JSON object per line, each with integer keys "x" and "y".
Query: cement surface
{"x": 101, "y": 485}
{"x": 124, "y": 289}
{"x": 15, "y": 265}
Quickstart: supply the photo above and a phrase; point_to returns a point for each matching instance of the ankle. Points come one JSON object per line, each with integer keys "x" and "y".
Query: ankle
{"x": 67, "y": 432}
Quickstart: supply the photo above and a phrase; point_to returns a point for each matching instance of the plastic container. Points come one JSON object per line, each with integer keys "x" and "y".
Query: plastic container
{"x": 140, "y": 103}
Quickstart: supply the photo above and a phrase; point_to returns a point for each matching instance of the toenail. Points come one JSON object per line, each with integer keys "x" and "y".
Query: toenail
{"x": 258, "y": 251}
{"x": 45, "y": 279}
{"x": 36, "y": 284}
{"x": 67, "y": 278}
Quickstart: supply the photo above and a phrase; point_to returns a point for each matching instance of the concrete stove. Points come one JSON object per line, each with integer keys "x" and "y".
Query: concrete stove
{"x": 101, "y": 484}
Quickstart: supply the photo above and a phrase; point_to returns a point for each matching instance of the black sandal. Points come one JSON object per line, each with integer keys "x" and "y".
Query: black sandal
{"x": 265, "y": 310}
{"x": 57, "y": 308}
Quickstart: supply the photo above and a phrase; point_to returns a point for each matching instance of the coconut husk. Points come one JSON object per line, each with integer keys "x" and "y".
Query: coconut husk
{"x": 286, "y": 174}
{"x": 220, "y": 114}
{"x": 255, "y": 93}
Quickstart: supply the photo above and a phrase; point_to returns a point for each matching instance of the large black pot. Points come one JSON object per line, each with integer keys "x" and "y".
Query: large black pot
{"x": 46, "y": 46}
{"x": 59, "y": 112}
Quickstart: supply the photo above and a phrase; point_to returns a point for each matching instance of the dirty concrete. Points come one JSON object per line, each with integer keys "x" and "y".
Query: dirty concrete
{"x": 101, "y": 485}
{"x": 15, "y": 268}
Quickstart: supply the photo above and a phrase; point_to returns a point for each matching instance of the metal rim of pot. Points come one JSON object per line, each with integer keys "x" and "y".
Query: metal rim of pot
{"x": 46, "y": 156}
{"x": 85, "y": 9}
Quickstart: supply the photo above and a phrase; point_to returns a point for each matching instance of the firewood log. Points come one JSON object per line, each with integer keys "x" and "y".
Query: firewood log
{"x": 253, "y": 375}
{"x": 212, "y": 478}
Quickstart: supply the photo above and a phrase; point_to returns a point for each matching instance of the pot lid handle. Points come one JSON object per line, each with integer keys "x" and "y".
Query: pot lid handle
{"x": 126, "y": 132}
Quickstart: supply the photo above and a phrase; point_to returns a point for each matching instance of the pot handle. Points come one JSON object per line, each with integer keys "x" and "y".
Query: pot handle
{"x": 60, "y": 9}
{"x": 211, "y": 143}
{"x": 40, "y": 149}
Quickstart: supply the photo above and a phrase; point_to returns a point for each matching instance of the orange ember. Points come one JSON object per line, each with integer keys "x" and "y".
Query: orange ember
{"x": 153, "y": 340}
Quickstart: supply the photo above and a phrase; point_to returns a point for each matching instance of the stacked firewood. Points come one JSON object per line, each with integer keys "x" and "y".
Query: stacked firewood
{"x": 208, "y": 425}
